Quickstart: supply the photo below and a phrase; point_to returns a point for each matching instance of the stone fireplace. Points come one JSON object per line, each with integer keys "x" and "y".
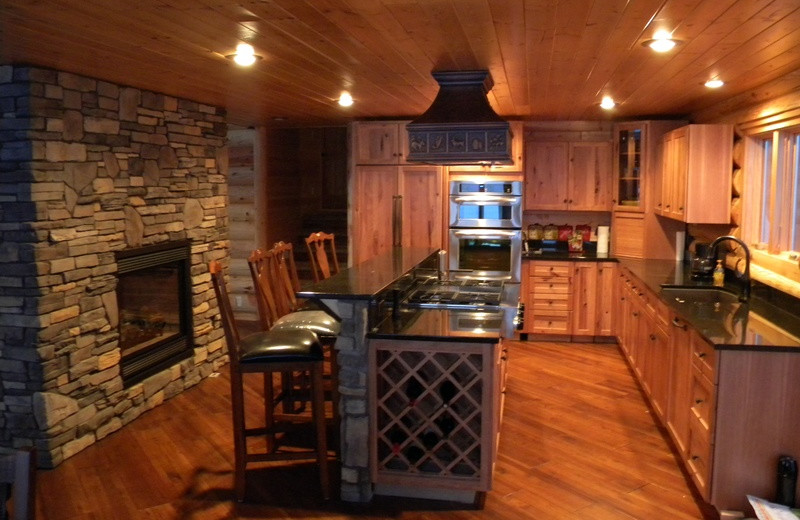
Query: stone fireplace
{"x": 91, "y": 173}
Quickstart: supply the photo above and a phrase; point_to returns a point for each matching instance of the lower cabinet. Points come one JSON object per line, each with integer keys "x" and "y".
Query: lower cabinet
{"x": 568, "y": 297}
{"x": 435, "y": 417}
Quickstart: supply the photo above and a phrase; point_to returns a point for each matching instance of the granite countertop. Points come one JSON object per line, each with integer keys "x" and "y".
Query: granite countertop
{"x": 583, "y": 256}
{"x": 368, "y": 279}
{"x": 436, "y": 325}
{"x": 756, "y": 324}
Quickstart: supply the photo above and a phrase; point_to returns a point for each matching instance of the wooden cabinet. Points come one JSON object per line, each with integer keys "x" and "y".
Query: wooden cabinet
{"x": 567, "y": 297}
{"x": 548, "y": 298}
{"x": 573, "y": 176}
{"x": 702, "y": 394}
{"x": 383, "y": 194}
{"x": 517, "y": 165}
{"x": 680, "y": 373}
{"x": 605, "y": 297}
{"x": 435, "y": 415}
{"x": 696, "y": 174}
{"x": 637, "y": 161}
{"x": 381, "y": 142}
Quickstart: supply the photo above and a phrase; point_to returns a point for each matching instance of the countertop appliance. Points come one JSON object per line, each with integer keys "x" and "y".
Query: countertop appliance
{"x": 485, "y": 237}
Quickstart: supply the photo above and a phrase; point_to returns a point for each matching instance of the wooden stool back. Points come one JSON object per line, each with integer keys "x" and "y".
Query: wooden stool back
{"x": 322, "y": 252}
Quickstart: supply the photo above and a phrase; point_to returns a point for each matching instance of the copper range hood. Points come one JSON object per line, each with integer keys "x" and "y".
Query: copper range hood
{"x": 460, "y": 127}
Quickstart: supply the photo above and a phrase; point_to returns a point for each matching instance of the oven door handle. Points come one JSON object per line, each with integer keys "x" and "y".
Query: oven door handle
{"x": 485, "y": 233}
{"x": 487, "y": 199}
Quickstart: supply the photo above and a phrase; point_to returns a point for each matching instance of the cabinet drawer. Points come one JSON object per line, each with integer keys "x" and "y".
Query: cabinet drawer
{"x": 704, "y": 357}
{"x": 550, "y": 285}
{"x": 544, "y": 306}
{"x": 561, "y": 270}
{"x": 555, "y": 323}
{"x": 702, "y": 399}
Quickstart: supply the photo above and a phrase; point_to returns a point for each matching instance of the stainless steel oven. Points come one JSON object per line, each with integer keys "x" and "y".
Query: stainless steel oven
{"x": 486, "y": 254}
{"x": 489, "y": 204}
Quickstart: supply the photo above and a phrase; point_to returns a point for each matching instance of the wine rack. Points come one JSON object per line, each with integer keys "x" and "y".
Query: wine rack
{"x": 433, "y": 412}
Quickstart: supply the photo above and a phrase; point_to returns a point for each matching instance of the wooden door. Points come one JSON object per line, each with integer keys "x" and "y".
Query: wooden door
{"x": 589, "y": 180}
{"x": 680, "y": 384}
{"x": 546, "y": 171}
{"x": 422, "y": 192}
{"x": 379, "y": 142}
{"x": 678, "y": 173}
{"x": 605, "y": 299}
{"x": 374, "y": 189}
{"x": 584, "y": 298}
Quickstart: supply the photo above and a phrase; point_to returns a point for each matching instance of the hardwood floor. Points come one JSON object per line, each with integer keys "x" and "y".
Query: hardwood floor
{"x": 577, "y": 443}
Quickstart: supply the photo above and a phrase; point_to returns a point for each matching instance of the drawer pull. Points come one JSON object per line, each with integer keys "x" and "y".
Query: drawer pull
{"x": 695, "y": 457}
{"x": 677, "y": 323}
{"x": 701, "y": 355}
{"x": 698, "y": 401}
{"x": 635, "y": 314}
{"x": 652, "y": 337}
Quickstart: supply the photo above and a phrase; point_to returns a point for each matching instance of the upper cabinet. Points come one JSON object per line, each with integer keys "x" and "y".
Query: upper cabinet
{"x": 382, "y": 142}
{"x": 629, "y": 162}
{"x": 516, "y": 155}
{"x": 573, "y": 176}
{"x": 695, "y": 182}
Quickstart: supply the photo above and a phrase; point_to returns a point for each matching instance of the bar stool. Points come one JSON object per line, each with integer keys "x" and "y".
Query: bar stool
{"x": 270, "y": 352}
{"x": 278, "y": 310}
{"x": 322, "y": 252}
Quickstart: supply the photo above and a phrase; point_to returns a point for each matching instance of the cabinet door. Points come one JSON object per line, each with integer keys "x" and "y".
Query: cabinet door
{"x": 628, "y": 166}
{"x": 589, "y": 180}
{"x": 380, "y": 143}
{"x": 421, "y": 189}
{"x": 605, "y": 298}
{"x": 659, "y": 357}
{"x": 680, "y": 384}
{"x": 627, "y": 234}
{"x": 584, "y": 298}
{"x": 675, "y": 174}
{"x": 374, "y": 189}
{"x": 546, "y": 171}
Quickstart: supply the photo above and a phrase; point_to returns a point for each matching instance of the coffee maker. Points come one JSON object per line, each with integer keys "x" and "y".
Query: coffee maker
{"x": 701, "y": 262}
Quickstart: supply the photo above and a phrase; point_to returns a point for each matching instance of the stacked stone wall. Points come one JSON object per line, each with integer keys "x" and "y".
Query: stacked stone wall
{"x": 88, "y": 168}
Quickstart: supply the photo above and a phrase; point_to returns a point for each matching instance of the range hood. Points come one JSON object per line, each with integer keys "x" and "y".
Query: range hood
{"x": 460, "y": 127}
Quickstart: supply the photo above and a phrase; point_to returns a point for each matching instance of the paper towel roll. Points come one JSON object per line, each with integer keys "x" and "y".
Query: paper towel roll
{"x": 602, "y": 239}
{"x": 680, "y": 245}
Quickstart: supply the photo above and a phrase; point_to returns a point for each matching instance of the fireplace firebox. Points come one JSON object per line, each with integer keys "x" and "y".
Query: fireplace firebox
{"x": 154, "y": 305}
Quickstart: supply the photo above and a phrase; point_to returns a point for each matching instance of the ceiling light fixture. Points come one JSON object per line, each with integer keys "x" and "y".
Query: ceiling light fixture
{"x": 244, "y": 56}
{"x": 607, "y": 103}
{"x": 662, "y": 41}
{"x": 714, "y": 83}
{"x": 345, "y": 99}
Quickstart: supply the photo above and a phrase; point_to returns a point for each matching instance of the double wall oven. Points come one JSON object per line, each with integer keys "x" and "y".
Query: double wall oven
{"x": 485, "y": 237}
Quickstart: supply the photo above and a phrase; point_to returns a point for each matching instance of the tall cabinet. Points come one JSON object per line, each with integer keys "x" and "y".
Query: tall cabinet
{"x": 392, "y": 202}
{"x": 635, "y": 231}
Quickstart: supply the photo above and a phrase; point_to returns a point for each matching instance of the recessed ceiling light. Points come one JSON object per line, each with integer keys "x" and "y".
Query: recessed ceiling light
{"x": 714, "y": 83}
{"x": 345, "y": 99}
{"x": 244, "y": 56}
{"x": 662, "y": 41}
{"x": 607, "y": 103}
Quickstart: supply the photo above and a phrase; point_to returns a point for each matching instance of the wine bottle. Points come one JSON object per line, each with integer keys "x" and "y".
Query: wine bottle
{"x": 430, "y": 439}
{"x": 446, "y": 424}
{"x": 396, "y": 438}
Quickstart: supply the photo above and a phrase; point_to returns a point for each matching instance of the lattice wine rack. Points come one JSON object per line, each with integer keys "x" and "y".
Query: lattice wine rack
{"x": 432, "y": 416}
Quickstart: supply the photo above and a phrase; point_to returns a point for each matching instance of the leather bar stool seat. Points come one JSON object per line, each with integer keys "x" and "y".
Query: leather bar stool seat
{"x": 280, "y": 346}
{"x": 317, "y": 321}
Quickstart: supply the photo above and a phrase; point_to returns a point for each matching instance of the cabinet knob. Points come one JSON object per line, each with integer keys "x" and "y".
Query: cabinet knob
{"x": 701, "y": 355}
{"x": 676, "y": 322}
{"x": 652, "y": 337}
{"x": 698, "y": 401}
{"x": 565, "y": 201}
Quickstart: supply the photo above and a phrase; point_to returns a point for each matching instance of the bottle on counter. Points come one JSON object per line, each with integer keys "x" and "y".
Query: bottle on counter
{"x": 719, "y": 274}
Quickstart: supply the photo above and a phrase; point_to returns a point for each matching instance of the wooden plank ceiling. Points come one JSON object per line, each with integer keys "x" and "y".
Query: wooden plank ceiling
{"x": 550, "y": 59}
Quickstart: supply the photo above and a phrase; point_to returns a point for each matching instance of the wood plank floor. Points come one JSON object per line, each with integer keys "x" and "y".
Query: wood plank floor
{"x": 578, "y": 442}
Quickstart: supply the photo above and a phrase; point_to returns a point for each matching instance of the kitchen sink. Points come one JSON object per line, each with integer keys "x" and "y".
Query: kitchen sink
{"x": 700, "y": 295}
{"x": 718, "y": 313}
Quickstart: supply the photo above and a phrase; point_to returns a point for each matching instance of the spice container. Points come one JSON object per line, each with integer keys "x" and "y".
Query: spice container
{"x": 551, "y": 232}
{"x": 576, "y": 242}
{"x": 585, "y": 231}
{"x": 535, "y": 232}
{"x": 564, "y": 232}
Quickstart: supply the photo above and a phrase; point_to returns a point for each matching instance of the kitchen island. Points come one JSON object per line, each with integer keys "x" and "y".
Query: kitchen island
{"x": 407, "y": 380}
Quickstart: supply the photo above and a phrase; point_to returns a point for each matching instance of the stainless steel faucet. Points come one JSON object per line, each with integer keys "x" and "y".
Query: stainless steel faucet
{"x": 745, "y": 278}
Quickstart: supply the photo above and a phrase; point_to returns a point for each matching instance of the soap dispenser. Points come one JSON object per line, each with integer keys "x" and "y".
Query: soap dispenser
{"x": 719, "y": 274}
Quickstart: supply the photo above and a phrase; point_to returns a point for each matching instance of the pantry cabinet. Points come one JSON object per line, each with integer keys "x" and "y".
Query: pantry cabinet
{"x": 695, "y": 182}
{"x": 574, "y": 176}
{"x": 396, "y": 205}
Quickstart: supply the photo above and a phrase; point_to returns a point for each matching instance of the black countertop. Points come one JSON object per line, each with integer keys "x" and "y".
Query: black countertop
{"x": 584, "y": 256}
{"x": 368, "y": 279}
{"x": 756, "y": 324}
{"x": 438, "y": 325}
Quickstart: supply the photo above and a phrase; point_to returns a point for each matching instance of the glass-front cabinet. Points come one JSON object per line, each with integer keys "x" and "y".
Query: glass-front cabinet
{"x": 628, "y": 166}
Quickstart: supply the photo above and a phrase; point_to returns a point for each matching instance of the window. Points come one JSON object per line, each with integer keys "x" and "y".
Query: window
{"x": 777, "y": 192}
